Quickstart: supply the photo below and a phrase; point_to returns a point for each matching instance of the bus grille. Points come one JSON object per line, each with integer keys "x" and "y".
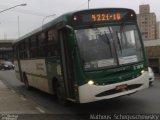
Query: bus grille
{"x": 114, "y": 91}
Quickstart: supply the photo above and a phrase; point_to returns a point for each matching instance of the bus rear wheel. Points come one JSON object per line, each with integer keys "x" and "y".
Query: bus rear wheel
{"x": 26, "y": 82}
{"x": 60, "y": 93}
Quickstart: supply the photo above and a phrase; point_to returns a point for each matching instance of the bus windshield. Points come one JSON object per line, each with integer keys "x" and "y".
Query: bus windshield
{"x": 109, "y": 46}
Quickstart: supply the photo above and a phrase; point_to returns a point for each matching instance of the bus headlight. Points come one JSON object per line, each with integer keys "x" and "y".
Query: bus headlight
{"x": 90, "y": 82}
{"x": 142, "y": 71}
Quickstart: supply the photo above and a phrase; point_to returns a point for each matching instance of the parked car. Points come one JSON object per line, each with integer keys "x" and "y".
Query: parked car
{"x": 151, "y": 75}
{"x": 7, "y": 65}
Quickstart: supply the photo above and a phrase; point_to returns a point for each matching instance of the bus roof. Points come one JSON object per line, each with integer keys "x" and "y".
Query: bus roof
{"x": 66, "y": 18}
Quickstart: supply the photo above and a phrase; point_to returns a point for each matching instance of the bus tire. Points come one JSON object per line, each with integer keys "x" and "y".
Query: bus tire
{"x": 26, "y": 81}
{"x": 150, "y": 83}
{"x": 60, "y": 93}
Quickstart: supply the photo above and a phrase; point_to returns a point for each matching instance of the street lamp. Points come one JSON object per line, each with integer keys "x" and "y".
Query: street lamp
{"x": 46, "y": 18}
{"x": 24, "y": 4}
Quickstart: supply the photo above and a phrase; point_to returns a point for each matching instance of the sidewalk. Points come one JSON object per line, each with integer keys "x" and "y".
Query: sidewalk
{"x": 13, "y": 103}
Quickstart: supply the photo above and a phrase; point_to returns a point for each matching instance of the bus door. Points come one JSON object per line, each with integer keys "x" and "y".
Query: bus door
{"x": 67, "y": 61}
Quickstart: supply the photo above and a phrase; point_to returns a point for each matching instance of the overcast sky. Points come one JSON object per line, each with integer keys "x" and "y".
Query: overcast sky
{"x": 32, "y": 15}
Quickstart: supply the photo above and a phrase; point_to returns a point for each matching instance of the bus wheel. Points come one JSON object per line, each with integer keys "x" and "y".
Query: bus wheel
{"x": 26, "y": 82}
{"x": 60, "y": 93}
{"x": 150, "y": 83}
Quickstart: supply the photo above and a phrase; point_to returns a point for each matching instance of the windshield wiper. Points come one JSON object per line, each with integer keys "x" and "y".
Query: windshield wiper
{"x": 120, "y": 47}
{"x": 107, "y": 41}
{"x": 113, "y": 44}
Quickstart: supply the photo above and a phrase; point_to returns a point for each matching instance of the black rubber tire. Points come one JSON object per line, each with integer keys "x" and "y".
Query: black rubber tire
{"x": 150, "y": 83}
{"x": 60, "y": 93}
{"x": 26, "y": 82}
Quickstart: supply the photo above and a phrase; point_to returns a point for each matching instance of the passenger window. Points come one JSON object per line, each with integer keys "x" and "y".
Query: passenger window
{"x": 34, "y": 47}
{"x": 52, "y": 43}
{"x": 42, "y": 45}
{"x": 41, "y": 38}
{"x": 52, "y": 36}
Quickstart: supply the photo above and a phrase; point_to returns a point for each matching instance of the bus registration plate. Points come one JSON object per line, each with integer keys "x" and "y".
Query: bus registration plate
{"x": 121, "y": 87}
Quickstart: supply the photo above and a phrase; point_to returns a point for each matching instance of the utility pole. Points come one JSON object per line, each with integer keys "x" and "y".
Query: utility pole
{"x": 24, "y": 4}
{"x": 18, "y": 28}
{"x": 88, "y": 3}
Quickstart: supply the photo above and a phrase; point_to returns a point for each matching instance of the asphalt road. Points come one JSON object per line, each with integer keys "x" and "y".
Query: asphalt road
{"x": 144, "y": 102}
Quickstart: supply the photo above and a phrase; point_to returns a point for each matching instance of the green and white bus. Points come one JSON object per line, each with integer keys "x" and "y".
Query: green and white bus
{"x": 84, "y": 56}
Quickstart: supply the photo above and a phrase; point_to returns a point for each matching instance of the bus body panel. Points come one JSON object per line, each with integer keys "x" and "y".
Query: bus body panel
{"x": 87, "y": 93}
{"x": 36, "y": 73}
{"x": 53, "y": 67}
{"x": 38, "y": 82}
{"x": 63, "y": 62}
{"x": 40, "y": 72}
{"x": 17, "y": 70}
{"x": 37, "y": 66}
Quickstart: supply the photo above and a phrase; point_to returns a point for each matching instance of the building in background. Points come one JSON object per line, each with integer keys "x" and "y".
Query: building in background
{"x": 147, "y": 22}
{"x": 6, "y": 50}
{"x": 158, "y": 30}
{"x": 153, "y": 53}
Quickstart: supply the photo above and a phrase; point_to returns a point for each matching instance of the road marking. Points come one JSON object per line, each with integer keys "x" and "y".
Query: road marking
{"x": 40, "y": 110}
{"x": 13, "y": 91}
{"x": 23, "y": 98}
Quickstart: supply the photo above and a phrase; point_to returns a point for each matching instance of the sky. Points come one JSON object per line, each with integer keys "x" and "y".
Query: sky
{"x": 23, "y": 19}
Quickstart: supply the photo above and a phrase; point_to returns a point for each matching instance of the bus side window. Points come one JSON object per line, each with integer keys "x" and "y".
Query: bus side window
{"x": 34, "y": 46}
{"x": 24, "y": 53}
{"x": 27, "y": 52}
{"x": 15, "y": 51}
{"x": 21, "y": 50}
{"x": 52, "y": 43}
{"x": 42, "y": 45}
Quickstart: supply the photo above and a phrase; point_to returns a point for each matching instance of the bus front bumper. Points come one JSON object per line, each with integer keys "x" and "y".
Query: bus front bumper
{"x": 90, "y": 93}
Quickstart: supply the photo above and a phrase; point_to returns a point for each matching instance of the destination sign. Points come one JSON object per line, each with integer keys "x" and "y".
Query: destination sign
{"x": 102, "y": 16}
